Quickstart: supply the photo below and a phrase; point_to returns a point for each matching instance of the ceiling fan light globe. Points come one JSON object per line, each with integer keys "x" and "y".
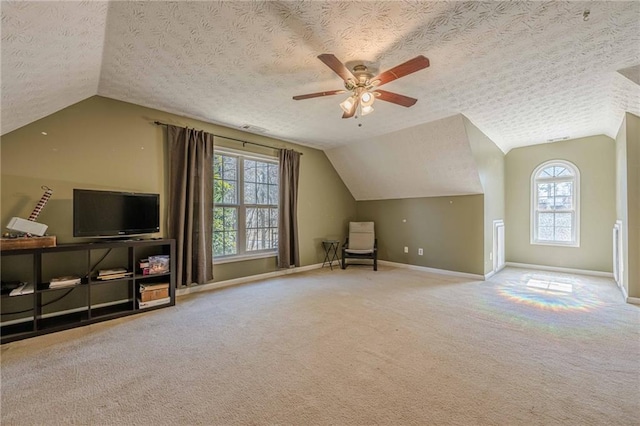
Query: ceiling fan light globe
{"x": 367, "y": 99}
{"x": 347, "y": 104}
{"x": 366, "y": 110}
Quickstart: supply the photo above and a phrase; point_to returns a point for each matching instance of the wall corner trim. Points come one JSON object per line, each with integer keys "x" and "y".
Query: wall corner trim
{"x": 559, "y": 269}
{"x": 432, "y": 270}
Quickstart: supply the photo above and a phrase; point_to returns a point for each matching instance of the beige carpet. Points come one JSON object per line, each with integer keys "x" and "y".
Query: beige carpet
{"x": 354, "y": 347}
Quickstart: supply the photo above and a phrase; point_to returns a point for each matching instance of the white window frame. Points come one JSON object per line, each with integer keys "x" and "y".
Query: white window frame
{"x": 575, "y": 231}
{"x": 241, "y": 232}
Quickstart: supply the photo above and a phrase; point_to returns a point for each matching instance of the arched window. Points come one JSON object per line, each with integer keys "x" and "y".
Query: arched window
{"x": 555, "y": 212}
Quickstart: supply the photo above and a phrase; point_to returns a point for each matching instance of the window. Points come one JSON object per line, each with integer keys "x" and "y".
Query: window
{"x": 245, "y": 214}
{"x": 555, "y": 216}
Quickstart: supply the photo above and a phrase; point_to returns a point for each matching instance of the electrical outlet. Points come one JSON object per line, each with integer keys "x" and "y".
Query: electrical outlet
{"x": 420, "y": 252}
{"x": 406, "y": 249}
{"x": 490, "y": 255}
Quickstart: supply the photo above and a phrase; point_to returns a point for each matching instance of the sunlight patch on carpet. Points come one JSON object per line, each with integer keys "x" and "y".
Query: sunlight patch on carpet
{"x": 565, "y": 294}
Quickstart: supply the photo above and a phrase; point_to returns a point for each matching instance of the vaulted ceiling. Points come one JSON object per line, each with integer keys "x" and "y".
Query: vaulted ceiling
{"x": 522, "y": 72}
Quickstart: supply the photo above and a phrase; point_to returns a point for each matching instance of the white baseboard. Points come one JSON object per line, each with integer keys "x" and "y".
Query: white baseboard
{"x": 633, "y": 300}
{"x": 432, "y": 270}
{"x": 250, "y": 278}
{"x": 559, "y": 269}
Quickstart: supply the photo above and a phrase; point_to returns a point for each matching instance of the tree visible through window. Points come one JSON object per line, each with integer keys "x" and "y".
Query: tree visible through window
{"x": 555, "y": 215}
{"x": 245, "y": 205}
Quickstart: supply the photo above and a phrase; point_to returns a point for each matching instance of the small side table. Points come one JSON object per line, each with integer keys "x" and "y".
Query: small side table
{"x": 330, "y": 252}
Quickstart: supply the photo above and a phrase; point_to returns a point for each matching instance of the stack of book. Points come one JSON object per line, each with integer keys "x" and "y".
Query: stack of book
{"x": 23, "y": 288}
{"x": 144, "y": 266}
{"x": 153, "y": 295}
{"x": 66, "y": 281}
{"x": 113, "y": 274}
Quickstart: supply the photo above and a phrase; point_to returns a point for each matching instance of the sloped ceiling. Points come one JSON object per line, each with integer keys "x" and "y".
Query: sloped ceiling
{"x": 522, "y": 72}
{"x": 51, "y": 57}
{"x": 401, "y": 164}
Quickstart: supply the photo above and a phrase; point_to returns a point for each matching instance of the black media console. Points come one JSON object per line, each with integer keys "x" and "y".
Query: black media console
{"x": 47, "y": 310}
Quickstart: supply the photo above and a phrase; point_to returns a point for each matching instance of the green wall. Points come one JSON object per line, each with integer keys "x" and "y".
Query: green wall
{"x": 628, "y": 200}
{"x": 490, "y": 163}
{"x": 595, "y": 158}
{"x": 449, "y": 229}
{"x": 102, "y": 143}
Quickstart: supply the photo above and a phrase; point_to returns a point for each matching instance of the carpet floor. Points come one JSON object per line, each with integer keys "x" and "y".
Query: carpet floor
{"x": 352, "y": 347}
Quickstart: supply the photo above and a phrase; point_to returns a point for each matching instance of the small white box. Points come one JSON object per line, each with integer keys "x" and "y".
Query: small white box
{"x": 27, "y": 226}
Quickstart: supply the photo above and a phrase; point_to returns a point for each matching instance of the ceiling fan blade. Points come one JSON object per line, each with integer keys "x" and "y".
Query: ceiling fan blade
{"x": 411, "y": 66}
{"x": 395, "y": 98}
{"x": 318, "y": 94}
{"x": 352, "y": 111}
{"x": 338, "y": 67}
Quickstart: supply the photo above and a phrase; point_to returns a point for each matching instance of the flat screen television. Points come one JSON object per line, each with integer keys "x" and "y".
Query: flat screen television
{"x": 114, "y": 214}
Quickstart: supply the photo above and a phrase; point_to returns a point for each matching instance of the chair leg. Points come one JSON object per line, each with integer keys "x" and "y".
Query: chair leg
{"x": 375, "y": 263}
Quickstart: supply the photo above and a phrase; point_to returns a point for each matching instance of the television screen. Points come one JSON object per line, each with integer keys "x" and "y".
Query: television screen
{"x": 111, "y": 213}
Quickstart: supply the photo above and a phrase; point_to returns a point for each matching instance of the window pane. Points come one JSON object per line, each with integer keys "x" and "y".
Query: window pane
{"x": 564, "y": 188}
{"x": 225, "y": 179}
{"x": 545, "y": 196}
{"x": 230, "y": 243}
{"x": 230, "y": 166}
{"x": 545, "y": 219}
{"x": 562, "y": 171}
{"x": 259, "y": 231}
{"x": 249, "y": 193}
{"x": 249, "y": 171}
{"x": 218, "y": 191}
{"x": 261, "y": 172}
{"x": 273, "y": 222}
{"x": 230, "y": 218}
{"x": 562, "y": 203}
{"x": 545, "y": 190}
{"x": 563, "y": 234}
{"x": 252, "y": 217}
{"x": 230, "y": 193}
{"x": 262, "y": 194}
{"x": 548, "y": 172}
{"x": 545, "y": 233}
{"x": 273, "y": 194}
{"x": 217, "y": 166}
{"x": 218, "y": 219}
{"x": 218, "y": 243}
{"x": 262, "y": 217}
{"x": 545, "y": 204}
{"x": 225, "y": 223}
{"x": 563, "y": 219}
{"x": 273, "y": 174}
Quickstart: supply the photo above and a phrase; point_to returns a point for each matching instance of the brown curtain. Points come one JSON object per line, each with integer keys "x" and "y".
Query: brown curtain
{"x": 191, "y": 203}
{"x": 288, "y": 250}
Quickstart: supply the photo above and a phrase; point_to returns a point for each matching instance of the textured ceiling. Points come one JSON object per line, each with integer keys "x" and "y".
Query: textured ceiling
{"x": 522, "y": 72}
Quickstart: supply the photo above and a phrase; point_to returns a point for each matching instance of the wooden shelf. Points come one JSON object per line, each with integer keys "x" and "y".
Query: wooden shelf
{"x": 44, "y": 301}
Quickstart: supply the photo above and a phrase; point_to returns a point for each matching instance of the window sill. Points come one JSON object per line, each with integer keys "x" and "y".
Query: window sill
{"x": 553, "y": 244}
{"x": 232, "y": 259}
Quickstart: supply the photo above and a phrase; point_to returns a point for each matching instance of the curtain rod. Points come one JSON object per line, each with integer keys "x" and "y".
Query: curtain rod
{"x": 159, "y": 123}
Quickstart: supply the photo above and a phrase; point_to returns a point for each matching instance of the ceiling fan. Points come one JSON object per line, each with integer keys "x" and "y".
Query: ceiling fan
{"x": 363, "y": 86}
